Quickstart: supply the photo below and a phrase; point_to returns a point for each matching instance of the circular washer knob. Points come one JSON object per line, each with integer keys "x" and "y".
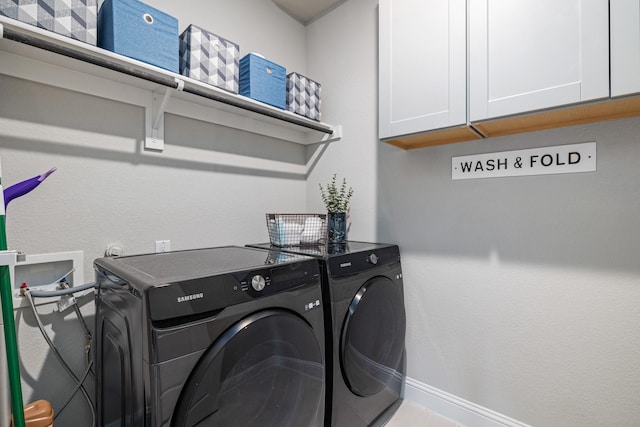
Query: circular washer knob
{"x": 372, "y": 259}
{"x": 257, "y": 282}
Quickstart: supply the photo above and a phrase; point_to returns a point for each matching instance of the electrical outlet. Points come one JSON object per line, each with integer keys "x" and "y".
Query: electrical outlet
{"x": 163, "y": 245}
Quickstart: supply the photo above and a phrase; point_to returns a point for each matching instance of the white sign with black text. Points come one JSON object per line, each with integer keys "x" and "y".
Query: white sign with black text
{"x": 571, "y": 158}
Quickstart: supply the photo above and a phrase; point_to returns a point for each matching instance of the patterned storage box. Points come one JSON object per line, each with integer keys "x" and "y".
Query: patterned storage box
{"x": 72, "y": 18}
{"x": 209, "y": 58}
{"x": 139, "y": 31}
{"x": 263, "y": 80}
{"x": 303, "y": 96}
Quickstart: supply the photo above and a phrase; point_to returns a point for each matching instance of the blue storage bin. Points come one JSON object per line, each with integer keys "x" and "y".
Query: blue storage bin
{"x": 139, "y": 31}
{"x": 263, "y": 80}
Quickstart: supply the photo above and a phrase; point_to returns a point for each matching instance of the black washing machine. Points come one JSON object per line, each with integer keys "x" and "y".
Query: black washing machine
{"x": 365, "y": 326}
{"x": 226, "y": 336}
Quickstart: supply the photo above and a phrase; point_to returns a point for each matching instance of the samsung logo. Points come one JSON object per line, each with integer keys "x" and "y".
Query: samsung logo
{"x": 190, "y": 297}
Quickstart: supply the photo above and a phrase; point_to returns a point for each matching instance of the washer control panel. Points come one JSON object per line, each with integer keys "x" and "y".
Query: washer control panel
{"x": 258, "y": 283}
{"x": 208, "y": 294}
{"x": 276, "y": 279}
{"x": 357, "y": 262}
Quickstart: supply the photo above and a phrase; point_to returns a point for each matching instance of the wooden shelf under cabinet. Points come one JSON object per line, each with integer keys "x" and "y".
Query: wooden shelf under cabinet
{"x": 437, "y": 137}
{"x": 572, "y": 116}
{"x": 569, "y": 116}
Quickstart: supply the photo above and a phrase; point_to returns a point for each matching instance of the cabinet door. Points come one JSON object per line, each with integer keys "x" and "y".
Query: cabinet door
{"x": 625, "y": 47}
{"x": 528, "y": 55}
{"x": 422, "y": 65}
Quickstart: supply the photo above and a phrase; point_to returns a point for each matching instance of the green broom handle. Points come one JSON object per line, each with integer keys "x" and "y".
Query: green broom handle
{"x": 11, "y": 343}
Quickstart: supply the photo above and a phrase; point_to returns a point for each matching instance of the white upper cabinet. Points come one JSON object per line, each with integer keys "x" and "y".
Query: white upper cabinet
{"x": 422, "y": 66}
{"x": 529, "y": 55}
{"x": 625, "y": 47}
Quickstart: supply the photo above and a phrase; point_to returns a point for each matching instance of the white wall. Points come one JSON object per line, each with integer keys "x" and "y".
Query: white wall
{"x": 109, "y": 190}
{"x": 342, "y": 56}
{"x": 256, "y": 25}
{"x": 522, "y": 293}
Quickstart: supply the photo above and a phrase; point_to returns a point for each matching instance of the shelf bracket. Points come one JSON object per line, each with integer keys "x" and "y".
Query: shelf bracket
{"x": 8, "y": 258}
{"x": 336, "y": 135}
{"x": 154, "y": 117}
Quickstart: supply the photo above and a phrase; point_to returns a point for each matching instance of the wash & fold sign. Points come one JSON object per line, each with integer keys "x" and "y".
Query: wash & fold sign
{"x": 572, "y": 158}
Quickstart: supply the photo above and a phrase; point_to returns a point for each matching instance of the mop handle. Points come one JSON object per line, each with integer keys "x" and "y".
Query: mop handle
{"x": 6, "y": 297}
{"x": 11, "y": 344}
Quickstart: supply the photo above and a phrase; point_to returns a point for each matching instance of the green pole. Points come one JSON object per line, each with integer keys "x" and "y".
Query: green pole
{"x": 11, "y": 343}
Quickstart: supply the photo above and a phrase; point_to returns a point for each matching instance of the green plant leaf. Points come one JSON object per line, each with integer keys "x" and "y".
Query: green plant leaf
{"x": 336, "y": 199}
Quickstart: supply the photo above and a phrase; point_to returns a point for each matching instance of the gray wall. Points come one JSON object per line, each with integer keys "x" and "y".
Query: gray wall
{"x": 522, "y": 293}
{"x": 109, "y": 190}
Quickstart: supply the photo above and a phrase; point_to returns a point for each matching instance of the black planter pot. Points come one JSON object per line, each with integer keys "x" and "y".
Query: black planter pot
{"x": 337, "y": 224}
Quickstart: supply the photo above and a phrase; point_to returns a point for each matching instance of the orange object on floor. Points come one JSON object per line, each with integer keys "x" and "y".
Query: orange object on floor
{"x": 38, "y": 414}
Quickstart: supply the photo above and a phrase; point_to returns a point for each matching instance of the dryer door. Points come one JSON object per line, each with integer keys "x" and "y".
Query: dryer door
{"x": 372, "y": 341}
{"x": 266, "y": 370}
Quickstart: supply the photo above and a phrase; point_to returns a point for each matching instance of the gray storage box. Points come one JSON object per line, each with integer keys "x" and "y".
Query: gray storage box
{"x": 209, "y": 58}
{"x": 303, "y": 96}
{"x": 72, "y": 18}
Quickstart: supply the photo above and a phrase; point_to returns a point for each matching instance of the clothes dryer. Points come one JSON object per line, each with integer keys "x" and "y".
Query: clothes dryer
{"x": 365, "y": 326}
{"x": 225, "y": 336}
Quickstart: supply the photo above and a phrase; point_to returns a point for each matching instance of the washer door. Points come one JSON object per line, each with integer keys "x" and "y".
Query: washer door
{"x": 372, "y": 341}
{"x": 266, "y": 370}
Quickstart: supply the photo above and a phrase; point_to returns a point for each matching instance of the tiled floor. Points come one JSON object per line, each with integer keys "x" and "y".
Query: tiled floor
{"x": 411, "y": 415}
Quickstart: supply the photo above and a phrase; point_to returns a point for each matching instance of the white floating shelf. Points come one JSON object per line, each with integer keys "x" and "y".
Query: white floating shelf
{"x": 42, "y": 56}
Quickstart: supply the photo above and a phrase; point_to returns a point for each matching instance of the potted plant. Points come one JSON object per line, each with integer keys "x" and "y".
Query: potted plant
{"x": 336, "y": 198}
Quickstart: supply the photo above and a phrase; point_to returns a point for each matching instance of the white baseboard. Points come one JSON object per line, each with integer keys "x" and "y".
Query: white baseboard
{"x": 455, "y": 408}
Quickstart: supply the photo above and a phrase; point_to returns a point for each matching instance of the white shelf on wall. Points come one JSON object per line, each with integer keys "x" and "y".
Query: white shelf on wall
{"x": 42, "y": 56}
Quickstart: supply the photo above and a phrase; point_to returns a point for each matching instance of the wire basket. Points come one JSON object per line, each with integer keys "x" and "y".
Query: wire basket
{"x": 297, "y": 229}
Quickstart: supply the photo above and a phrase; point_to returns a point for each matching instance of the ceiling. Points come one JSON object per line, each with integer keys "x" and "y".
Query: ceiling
{"x": 306, "y": 11}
